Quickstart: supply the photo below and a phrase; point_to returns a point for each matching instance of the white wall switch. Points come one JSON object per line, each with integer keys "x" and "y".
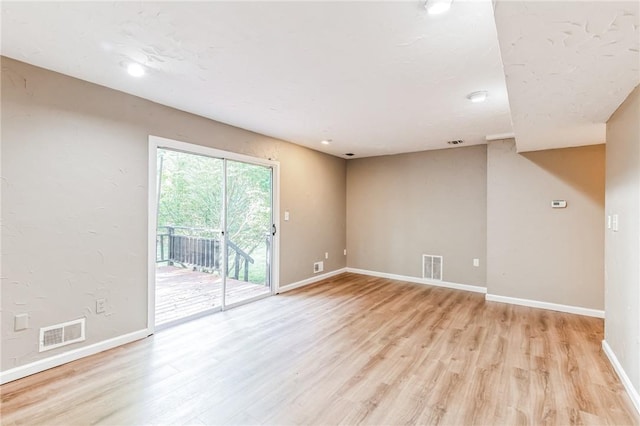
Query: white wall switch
{"x": 614, "y": 223}
{"x": 608, "y": 221}
{"x": 326, "y": 254}
{"x": 21, "y": 322}
{"x": 559, "y": 204}
{"x": 345, "y": 252}
{"x": 286, "y": 215}
{"x": 476, "y": 262}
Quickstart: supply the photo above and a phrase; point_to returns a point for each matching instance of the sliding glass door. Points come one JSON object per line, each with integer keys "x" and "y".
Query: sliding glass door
{"x": 249, "y": 231}
{"x": 189, "y": 277}
{"x": 214, "y": 233}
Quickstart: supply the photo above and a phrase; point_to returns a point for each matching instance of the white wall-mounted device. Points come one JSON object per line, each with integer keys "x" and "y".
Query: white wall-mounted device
{"x": 559, "y": 204}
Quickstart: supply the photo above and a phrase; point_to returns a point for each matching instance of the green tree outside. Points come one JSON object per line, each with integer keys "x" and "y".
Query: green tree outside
{"x": 191, "y": 195}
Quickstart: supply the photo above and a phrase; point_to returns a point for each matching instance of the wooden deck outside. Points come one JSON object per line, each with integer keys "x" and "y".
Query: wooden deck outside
{"x": 181, "y": 292}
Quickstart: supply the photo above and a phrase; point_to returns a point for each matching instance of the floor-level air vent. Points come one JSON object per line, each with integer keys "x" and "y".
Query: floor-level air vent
{"x": 432, "y": 267}
{"x": 54, "y": 336}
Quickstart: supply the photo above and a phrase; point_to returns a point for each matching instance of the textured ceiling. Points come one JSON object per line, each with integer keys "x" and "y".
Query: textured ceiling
{"x": 568, "y": 66}
{"x": 375, "y": 77}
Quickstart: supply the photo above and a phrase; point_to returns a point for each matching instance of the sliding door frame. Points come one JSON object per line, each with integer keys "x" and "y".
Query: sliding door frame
{"x": 155, "y": 143}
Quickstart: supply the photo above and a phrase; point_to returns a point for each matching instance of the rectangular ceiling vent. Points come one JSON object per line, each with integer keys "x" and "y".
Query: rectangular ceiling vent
{"x": 63, "y": 334}
{"x": 432, "y": 267}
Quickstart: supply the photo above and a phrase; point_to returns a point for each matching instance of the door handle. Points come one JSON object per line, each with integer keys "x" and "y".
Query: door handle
{"x": 273, "y": 229}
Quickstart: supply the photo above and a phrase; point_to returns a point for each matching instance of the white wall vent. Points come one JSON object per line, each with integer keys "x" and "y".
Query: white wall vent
{"x": 318, "y": 267}
{"x": 54, "y": 336}
{"x": 432, "y": 267}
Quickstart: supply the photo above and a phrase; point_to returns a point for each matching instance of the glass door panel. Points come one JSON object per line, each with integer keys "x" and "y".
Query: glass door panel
{"x": 189, "y": 260}
{"x": 249, "y": 231}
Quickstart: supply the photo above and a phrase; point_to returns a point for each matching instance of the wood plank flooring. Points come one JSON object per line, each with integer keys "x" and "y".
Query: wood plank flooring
{"x": 349, "y": 350}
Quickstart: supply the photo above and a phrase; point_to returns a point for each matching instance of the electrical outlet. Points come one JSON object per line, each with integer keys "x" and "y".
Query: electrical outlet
{"x": 318, "y": 267}
{"x": 476, "y": 262}
{"x": 326, "y": 254}
{"x": 101, "y": 306}
{"x": 345, "y": 252}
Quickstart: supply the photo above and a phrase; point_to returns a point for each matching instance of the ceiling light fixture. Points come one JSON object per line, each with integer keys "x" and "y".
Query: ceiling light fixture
{"x": 436, "y": 7}
{"x": 135, "y": 70}
{"x": 477, "y": 97}
{"x": 326, "y": 142}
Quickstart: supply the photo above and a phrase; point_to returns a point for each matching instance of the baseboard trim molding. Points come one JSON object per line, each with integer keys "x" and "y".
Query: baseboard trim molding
{"x": 72, "y": 355}
{"x": 311, "y": 280}
{"x": 546, "y": 305}
{"x": 626, "y": 382}
{"x": 416, "y": 280}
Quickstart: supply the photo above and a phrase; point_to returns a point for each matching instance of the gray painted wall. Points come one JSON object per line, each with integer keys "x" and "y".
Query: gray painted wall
{"x": 622, "y": 248}
{"x": 74, "y": 203}
{"x": 400, "y": 207}
{"x": 74, "y": 211}
{"x": 536, "y": 252}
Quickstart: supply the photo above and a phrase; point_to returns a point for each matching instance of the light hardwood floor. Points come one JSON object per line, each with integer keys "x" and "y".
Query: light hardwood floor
{"x": 350, "y": 350}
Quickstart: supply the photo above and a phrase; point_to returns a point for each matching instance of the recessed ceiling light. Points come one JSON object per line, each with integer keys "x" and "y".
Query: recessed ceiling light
{"x": 436, "y": 7}
{"x": 326, "y": 142}
{"x": 135, "y": 70}
{"x": 480, "y": 96}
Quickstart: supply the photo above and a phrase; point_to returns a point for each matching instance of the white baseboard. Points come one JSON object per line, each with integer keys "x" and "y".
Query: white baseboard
{"x": 416, "y": 280}
{"x": 546, "y": 305}
{"x": 311, "y": 280}
{"x": 633, "y": 392}
{"x": 72, "y": 355}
